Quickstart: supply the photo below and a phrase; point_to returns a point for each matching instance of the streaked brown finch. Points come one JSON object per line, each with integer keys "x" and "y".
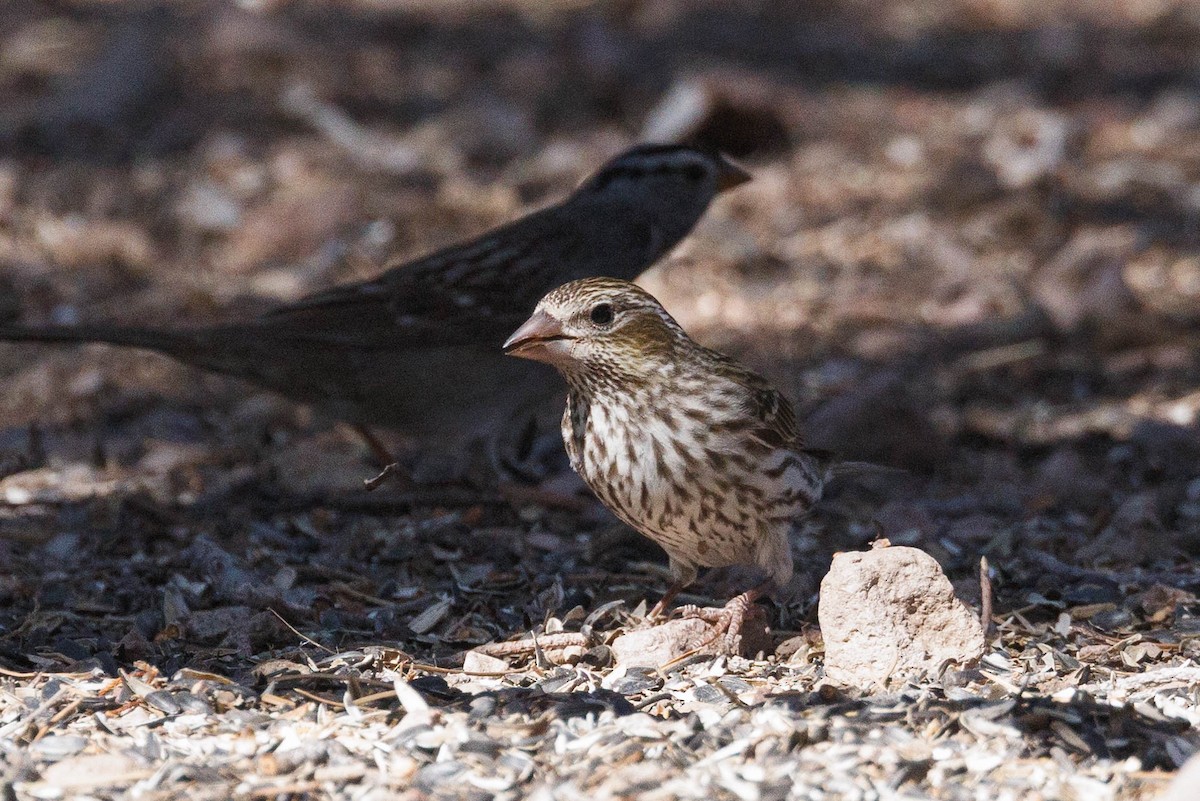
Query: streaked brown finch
{"x": 682, "y": 443}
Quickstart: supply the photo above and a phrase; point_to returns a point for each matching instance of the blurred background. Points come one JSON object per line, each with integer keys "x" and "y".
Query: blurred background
{"x": 970, "y": 248}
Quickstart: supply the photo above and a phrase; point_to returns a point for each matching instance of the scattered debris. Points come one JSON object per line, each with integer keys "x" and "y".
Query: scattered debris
{"x": 969, "y": 249}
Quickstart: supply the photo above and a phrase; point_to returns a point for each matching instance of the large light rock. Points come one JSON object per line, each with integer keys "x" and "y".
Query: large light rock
{"x": 890, "y": 613}
{"x": 1186, "y": 785}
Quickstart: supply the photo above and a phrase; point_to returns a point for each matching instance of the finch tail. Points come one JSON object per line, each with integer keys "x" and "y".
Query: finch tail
{"x": 836, "y": 468}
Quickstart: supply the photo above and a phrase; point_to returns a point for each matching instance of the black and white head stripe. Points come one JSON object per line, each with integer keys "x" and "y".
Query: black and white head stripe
{"x": 644, "y": 161}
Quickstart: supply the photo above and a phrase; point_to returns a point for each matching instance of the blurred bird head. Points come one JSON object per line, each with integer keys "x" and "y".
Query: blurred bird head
{"x": 600, "y": 330}
{"x": 669, "y": 186}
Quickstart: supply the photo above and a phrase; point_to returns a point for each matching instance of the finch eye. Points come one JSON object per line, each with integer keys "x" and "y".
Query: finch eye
{"x": 602, "y": 313}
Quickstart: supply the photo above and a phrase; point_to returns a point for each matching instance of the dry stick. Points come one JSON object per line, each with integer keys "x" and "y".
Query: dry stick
{"x": 375, "y": 482}
{"x": 377, "y": 448}
{"x": 549, "y": 642}
{"x": 314, "y": 697}
{"x": 35, "y": 674}
{"x": 373, "y": 697}
{"x": 425, "y": 667}
{"x": 396, "y": 606}
{"x": 21, "y": 723}
{"x": 307, "y": 639}
{"x": 985, "y": 593}
{"x": 66, "y": 712}
{"x": 686, "y": 657}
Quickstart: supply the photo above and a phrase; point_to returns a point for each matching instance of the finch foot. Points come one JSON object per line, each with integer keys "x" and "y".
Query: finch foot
{"x": 728, "y": 620}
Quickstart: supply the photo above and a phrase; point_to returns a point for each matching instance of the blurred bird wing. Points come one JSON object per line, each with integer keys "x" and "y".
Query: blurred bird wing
{"x": 367, "y": 323}
{"x": 464, "y": 294}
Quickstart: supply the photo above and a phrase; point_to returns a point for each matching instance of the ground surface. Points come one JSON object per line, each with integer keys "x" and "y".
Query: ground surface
{"x": 970, "y": 250}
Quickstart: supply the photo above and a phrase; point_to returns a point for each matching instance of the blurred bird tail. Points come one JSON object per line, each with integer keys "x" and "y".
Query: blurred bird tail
{"x": 856, "y": 469}
{"x": 173, "y": 343}
{"x": 836, "y": 468}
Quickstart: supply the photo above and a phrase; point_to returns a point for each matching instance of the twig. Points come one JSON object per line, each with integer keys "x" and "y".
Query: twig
{"x": 1182, "y": 675}
{"x": 382, "y": 695}
{"x": 35, "y": 674}
{"x": 549, "y": 642}
{"x": 695, "y": 654}
{"x": 985, "y": 594}
{"x": 304, "y": 637}
{"x": 65, "y": 712}
{"x": 314, "y": 697}
{"x": 425, "y": 667}
{"x": 11, "y": 729}
{"x": 375, "y": 482}
{"x": 342, "y": 588}
{"x": 382, "y": 455}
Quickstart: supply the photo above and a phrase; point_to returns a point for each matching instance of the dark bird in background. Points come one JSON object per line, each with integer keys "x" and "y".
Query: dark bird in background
{"x": 417, "y": 349}
{"x": 684, "y": 444}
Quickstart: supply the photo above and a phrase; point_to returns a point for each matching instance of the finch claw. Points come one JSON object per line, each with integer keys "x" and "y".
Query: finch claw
{"x": 727, "y": 620}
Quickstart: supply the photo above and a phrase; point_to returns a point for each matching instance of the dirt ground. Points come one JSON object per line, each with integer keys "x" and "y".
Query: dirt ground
{"x": 970, "y": 250}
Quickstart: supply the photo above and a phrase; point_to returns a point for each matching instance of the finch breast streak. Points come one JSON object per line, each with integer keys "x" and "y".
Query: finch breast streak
{"x": 655, "y": 476}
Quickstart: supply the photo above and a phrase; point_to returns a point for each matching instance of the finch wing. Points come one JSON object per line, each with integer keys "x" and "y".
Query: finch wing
{"x": 774, "y": 419}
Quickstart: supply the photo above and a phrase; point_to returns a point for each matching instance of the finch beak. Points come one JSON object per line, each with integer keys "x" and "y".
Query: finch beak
{"x": 729, "y": 175}
{"x": 539, "y": 338}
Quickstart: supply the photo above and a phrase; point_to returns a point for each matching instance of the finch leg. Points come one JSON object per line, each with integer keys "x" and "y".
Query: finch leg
{"x": 391, "y": 469}
{"x": 660, "y": 608}
{"x": 377, "y": 448}
{"x": 729, "y": 619}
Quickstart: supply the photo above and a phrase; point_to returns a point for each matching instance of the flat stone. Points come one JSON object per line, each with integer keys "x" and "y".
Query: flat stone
{"x": 94, "y": 771}
{"x": 891, "y": 613}
{"x": 58, "y": 746}
{"x": 479, "y": 662}
{"x": 658, "y": 645}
